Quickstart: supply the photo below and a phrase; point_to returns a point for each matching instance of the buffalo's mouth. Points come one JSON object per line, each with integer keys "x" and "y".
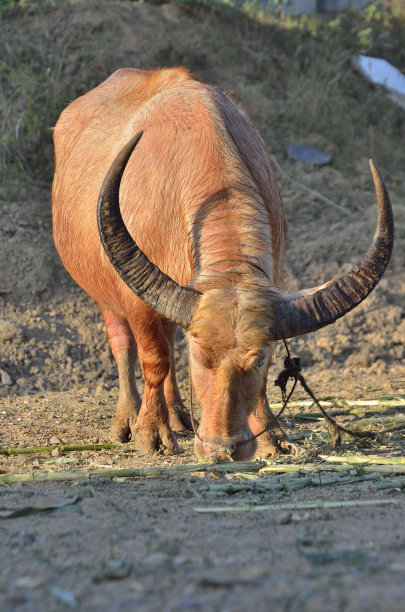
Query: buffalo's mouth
{"x": 240, "y": 449}
{"x": 244, "y": 446}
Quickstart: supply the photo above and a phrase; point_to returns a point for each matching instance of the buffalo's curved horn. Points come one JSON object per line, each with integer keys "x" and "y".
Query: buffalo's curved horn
{"x": 314, "y": 309}
{"x": 146, "y": 280}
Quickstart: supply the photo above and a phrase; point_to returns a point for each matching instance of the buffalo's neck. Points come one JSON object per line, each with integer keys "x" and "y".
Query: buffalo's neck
{"x": 231, "y": 241}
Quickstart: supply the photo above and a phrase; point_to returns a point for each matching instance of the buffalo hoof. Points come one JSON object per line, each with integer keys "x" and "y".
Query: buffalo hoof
{"x": 121, "y": 430}
{"x": 270, "y": 445}
{"x": 159, "y": 438}
{"x": 272, "y": 442}
{"x": 179, "y": 418}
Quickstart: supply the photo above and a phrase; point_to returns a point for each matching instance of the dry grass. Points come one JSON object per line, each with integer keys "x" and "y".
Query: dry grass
{"x": 293, "y": 73}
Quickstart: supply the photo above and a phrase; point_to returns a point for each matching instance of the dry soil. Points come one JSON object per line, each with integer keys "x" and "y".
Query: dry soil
{"x": 141, "y": 544}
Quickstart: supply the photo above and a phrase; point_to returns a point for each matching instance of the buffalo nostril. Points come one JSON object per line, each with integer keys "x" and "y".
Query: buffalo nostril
{"x": 213, "y": 451}
{"x": 221, "y": 454}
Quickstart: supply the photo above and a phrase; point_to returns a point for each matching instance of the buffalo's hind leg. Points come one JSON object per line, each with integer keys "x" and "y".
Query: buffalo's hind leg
{"x": 123, "y": 347}
{"x": 152, "y": 431}
{"x": 179, "y": 417}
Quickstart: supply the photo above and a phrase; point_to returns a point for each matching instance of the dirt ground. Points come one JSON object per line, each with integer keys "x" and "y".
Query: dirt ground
{"x": 141, "y": 543}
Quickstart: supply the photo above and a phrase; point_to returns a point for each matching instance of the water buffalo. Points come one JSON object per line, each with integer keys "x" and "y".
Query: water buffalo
{"x": 200, "y": 243}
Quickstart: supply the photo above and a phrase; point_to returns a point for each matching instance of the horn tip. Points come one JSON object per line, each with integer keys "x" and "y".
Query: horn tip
{"x": 137, "y": 137}
{"x": 375, "y": 171}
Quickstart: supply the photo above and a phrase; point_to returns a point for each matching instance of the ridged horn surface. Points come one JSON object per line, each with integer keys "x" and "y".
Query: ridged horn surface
{"x": 147, "y": 281}
{"x": 324, "y": 306}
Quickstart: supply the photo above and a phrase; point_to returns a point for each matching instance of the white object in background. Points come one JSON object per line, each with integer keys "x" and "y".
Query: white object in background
{"x": 381, "y": 72}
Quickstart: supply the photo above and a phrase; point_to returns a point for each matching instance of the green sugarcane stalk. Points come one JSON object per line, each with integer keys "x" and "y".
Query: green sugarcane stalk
{"x": 388, "y": 468}
{"x": 260, "y": 487}
{"x": 379, "y": 408}
{"x": 391, "y": 483}
{"x": 48, "y": 449}
{"x": 370, "y": 459}
{"x": 222, "y": 468}
{"x": 314, "y": 416}
{"x": 218, "y": 468}
{"x": 319, "y": 505}
{"x": 276, "y": 468}
{"x": 383, "y": 469}
{"x": 290, "y": 484}
{"x": 396, "y": 401}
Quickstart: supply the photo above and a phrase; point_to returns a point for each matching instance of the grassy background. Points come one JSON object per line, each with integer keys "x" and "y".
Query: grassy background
{"x": 294, "y": 74}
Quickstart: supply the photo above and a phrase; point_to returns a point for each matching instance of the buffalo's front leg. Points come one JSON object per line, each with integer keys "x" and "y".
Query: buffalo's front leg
{"x": 179, "y": 416}
{"x": 123, "y": 347}
{"x": 152, "y": 431}
{"x": 275, "y": 440}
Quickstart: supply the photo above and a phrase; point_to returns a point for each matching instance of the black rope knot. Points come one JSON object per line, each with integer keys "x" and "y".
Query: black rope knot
{"x": 292, "y": 371}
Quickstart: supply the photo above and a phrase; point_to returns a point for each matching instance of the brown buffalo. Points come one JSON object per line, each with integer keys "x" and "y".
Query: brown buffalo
{"x": 199, "y": 199}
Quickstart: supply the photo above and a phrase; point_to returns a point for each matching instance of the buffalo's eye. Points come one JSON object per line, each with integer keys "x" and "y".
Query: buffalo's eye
{"x": 202, "y": 359}
{"x": 260, "y": 359}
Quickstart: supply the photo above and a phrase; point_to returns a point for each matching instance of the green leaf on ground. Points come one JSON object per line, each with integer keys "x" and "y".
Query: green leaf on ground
{"x": 30, "y": 510}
